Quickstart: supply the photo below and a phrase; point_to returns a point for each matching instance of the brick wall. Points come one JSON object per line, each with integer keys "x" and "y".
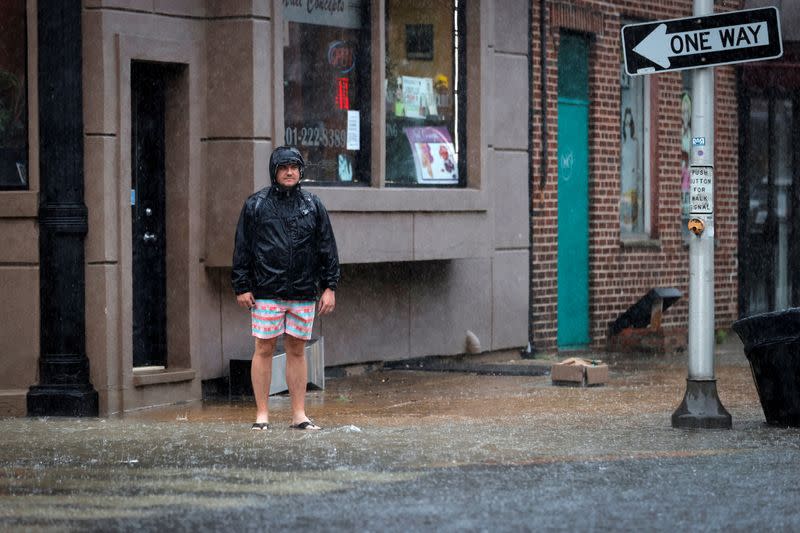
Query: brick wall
{"x": 619, "y": 274}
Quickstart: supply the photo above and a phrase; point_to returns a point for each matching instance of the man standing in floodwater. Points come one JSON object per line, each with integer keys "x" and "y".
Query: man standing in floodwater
{"x": 284, "y": 258}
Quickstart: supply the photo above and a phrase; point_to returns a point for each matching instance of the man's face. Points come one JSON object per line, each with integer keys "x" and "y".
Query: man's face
{"x": 288, "y": 175}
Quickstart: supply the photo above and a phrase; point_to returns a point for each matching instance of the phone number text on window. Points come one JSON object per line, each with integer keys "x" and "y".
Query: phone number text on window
{"x": 325, "y": 137}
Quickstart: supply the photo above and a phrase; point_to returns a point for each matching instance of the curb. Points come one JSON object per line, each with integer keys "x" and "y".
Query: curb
{"x": 531, "y": 367}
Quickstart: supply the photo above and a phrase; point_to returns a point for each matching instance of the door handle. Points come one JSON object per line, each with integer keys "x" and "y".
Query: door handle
{"x": 150, "y": 237}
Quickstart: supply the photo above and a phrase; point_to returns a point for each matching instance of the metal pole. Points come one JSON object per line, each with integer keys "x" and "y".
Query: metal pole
{"x": 701, "y": 247}
{"x": 701, "y": 407}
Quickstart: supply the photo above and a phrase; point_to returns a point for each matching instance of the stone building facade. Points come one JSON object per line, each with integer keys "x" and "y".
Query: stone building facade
{"x": 426, "y": 257}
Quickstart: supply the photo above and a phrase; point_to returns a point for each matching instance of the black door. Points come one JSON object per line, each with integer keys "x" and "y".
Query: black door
{"x": 148, "y": 203}
{"x": 769, "y": 202}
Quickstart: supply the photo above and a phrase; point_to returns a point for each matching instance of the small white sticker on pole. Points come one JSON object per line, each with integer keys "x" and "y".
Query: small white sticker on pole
{"x": 701, "y": 189}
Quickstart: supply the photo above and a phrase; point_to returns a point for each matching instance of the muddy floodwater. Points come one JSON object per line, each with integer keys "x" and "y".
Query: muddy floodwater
{"x": 406, "y": 448}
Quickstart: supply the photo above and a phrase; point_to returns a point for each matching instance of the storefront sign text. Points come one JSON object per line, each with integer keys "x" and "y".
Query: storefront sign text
{"x": 337, "y": 13}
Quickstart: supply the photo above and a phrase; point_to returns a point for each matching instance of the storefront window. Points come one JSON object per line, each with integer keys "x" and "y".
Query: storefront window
{"x": 328, "y": 93}
{"x": 326, "y": 59}
{"x": 13, "y": 96}
{"x": 634, "y": 183}
{"x": 424, "y": 122}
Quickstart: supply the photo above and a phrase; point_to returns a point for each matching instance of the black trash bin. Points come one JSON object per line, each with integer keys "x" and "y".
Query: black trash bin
{"x": 772, "y": 346}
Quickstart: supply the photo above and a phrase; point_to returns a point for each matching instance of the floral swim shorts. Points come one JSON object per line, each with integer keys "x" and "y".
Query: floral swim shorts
{"x": 271, "y": 318}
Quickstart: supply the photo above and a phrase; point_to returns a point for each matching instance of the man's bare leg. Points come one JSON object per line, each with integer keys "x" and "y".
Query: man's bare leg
{"x": 296, "y": 376}
{"x": 261, "y": 376}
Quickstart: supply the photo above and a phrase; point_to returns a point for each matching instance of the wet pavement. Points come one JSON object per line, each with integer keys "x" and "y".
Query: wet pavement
{"x": 416, "y": 450}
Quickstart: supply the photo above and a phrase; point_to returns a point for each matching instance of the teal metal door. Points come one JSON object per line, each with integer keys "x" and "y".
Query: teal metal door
{"x": 573, "y": 192}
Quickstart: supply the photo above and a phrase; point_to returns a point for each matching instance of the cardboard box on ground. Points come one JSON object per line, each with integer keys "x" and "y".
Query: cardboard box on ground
{"x": 579, "y": 372}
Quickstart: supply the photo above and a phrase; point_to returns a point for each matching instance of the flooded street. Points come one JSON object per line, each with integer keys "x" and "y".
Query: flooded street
{"x": 415, "y": 450}
{"x": 408, "y": 192}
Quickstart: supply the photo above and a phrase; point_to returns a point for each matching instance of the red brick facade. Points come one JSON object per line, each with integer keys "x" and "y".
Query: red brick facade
{"x": 620, "y": 273}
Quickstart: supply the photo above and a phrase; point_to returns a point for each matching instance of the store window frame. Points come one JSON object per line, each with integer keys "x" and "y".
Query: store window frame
{"x": 687, "y": 82}
{"x": 468, "y": 195}
{"x": 459, "y": 83}
{"x": 19, "y": 168}
{"x": 646, "y": 231}
{"x": 322, "y": 104}
{"x": 764, "y": 269}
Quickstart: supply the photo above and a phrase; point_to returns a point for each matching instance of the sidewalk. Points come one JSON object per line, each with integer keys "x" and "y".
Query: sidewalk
{"x": 510, "y": 362}
{"x": 407, "y": 450}
{"x": 501, "y": 363}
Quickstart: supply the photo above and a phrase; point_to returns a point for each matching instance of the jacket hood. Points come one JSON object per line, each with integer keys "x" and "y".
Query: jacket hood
{"x": 283, "y": 155}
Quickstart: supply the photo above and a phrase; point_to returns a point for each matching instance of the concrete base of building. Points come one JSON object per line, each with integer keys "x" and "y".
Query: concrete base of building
{"x": 240, "y": 380}
{"x": 13, "y": 402}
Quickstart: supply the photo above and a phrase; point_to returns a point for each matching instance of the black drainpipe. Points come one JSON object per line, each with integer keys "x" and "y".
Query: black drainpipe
{"x": 64, "y": 388}
{"x": 530, "y": 350}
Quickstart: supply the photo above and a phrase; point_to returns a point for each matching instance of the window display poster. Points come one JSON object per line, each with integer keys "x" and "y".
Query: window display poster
{"x": 419, "y": 100}
{"x": 345, "y": 164}
{"x": 434, "y": 155}
{"x": 632, "y": 179}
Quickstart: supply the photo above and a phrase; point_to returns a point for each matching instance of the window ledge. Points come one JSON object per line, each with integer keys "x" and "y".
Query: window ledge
{"x": 639, "y": 242}
{"x": 373, "y": 199}
{"x": 144, "y": 377}
{"x": 19, "y": 204}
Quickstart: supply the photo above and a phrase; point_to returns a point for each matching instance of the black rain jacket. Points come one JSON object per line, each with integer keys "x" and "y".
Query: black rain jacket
{"x": 284, "y": 246}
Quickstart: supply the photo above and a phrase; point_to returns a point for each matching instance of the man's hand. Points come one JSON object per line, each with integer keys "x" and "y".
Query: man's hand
{"x": 246, "y": 300}
{"x": 327, "y": 302}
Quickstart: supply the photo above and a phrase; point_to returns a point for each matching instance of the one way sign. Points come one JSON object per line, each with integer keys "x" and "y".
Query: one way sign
{"x": 678, "y": 44}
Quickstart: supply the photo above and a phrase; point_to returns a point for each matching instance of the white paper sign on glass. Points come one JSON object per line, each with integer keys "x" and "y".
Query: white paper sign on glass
{"x": 353, "y": 130}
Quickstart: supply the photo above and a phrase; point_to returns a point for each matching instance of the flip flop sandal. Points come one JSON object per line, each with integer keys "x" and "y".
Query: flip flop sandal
{"x": 261, "y": 426}
{"x": 307, "y": 425}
